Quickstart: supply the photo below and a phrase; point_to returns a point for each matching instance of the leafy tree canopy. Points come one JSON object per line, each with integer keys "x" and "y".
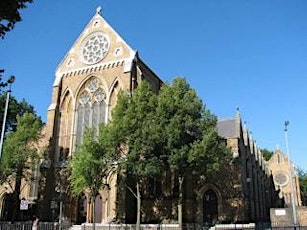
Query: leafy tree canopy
{"x": 303, "y": 185}
{"x": 10, "y": 14}
{"x": 134, "y": 124}
{"x": 16, "y": 108}
{"x": 267, "y": 154}
{"x": 20, "y": 146}
{"x": 2, "y": 84}
{"x": 20, "y": 155}
{"x": 90, "y": 164}
{"x": 188, "y": 129}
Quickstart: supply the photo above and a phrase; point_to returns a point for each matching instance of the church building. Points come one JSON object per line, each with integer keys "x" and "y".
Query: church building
{"x": 87, "y": 81}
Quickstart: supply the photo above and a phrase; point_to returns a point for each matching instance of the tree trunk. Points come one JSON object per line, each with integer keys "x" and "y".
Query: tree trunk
{"x": 180, "y": 201}
{"x": 93, "y": 199}
{"x": 138, "y": 218}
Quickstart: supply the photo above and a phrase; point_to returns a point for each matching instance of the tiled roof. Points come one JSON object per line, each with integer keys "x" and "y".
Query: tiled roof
{"x": 227, "y": 128}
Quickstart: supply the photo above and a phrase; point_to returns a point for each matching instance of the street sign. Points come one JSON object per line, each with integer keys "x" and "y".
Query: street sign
{"x": 24, "y": 204}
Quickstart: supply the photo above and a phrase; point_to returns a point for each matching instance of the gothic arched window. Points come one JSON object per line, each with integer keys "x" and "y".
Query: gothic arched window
{"x": 210, "y": 207}
{"x": 91, "y": 108}
{"x": 279, "y": 159}
{"x": 65, "y": 128}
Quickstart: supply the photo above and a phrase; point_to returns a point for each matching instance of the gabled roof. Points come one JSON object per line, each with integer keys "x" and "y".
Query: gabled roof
{"x": 96, "y": 24}
{"x": 228, "y": 128}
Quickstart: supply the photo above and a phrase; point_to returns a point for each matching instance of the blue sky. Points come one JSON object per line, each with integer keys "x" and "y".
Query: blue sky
{"x": 250, "y": 54}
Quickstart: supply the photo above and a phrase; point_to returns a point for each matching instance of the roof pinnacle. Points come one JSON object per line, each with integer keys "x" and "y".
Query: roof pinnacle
{"x": 98, "y": 10}
{"x": 238, "y": 114}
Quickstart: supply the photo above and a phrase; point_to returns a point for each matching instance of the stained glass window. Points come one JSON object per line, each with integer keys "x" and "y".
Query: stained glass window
{"x": 91, "y": 108}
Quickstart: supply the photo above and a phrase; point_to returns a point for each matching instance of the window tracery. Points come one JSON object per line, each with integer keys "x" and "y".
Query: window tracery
{"x": 91, "y": 108}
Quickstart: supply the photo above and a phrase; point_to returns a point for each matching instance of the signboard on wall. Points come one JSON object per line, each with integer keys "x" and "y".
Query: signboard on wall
{"x": 280, "y": 212}
{"x": 24, "y": 204}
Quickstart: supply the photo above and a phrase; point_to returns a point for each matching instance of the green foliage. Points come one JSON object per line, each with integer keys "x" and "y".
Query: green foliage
{"x": 207, "y": 154}
{"x": 10, "y": 15}
{"x": 20, "y": 149}
{"x": 2, "y": 84}
{"x": 134, "y": 125}
{"x": 20, "y": 154}
{"x": 267, "y": 154}
{"x": 172, "y": 129}
{"x": 303, "y": 185}
{"x": 135, "y": 131}
{"x": 169, "y": 130}
{"x": 15, "y": 109}
{"x": 188, "y": 129}
{"x": 90, "y": 165}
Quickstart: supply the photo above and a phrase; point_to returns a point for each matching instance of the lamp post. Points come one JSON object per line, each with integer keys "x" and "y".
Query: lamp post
{"x": 9, "y": 81}
{"x": 291, "y": 175}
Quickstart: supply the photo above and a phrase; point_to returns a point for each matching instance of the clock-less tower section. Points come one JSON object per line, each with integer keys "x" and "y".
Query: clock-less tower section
{"x": 87, "y": 81}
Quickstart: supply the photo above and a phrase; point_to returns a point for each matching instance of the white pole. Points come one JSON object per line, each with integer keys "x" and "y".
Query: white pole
{"x": 4, "y": 120}
{"x": 291, "y": 175}
{"x": 10, "y": 81}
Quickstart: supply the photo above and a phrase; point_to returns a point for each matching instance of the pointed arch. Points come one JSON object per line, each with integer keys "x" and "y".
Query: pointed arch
{"x": 7, "y": 206}
{"x": 98, "y": 208}
{"x": 65, "y": 127}
{"x": 279, "y": 158}
{"x": 210, "y": 207}
{"x": 90, "y": 107}
{"x": 86, "y": 79}
{"x": 82, "y": 209}
{"x": 112, "y": 99}
{"x": 213, "y": 194}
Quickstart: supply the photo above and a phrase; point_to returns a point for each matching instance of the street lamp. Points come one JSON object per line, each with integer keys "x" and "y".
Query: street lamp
{"x": 291, "y": 175}
{"x": 9, "y": 81}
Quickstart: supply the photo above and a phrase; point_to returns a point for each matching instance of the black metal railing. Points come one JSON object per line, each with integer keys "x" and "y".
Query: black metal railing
{"x": 28, "y": 226}
{"x": 98, "y": 226}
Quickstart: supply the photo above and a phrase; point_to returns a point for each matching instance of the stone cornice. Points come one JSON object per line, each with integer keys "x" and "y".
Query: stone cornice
{"x": 90, "y": 69}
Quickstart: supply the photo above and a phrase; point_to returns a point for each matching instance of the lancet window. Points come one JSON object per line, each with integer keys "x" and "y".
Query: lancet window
{"x": 91, "y": 108}
{"x": 65, "y": 128}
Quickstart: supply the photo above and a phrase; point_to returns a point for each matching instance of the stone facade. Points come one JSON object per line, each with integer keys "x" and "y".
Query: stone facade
{"x": 252, "y": 184}
{"x": 283, "y": 217}
{"x": 99, "y": 65}
{"x": 284, "y": 174}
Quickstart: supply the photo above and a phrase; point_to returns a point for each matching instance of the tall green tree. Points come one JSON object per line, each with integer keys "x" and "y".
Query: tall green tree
{"x": 189, "y": 138}
{"x": 135, "y": 131}
{"x": 15, "y": 109}
{"x": 20, "y": 154}
{"x": 90, "y": 166}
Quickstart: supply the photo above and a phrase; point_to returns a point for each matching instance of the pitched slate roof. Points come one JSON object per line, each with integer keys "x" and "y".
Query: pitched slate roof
{"x": 228, "y": 128}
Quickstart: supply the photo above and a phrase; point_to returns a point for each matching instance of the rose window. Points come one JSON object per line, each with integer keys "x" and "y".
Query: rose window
{"x": 95, "y": 48}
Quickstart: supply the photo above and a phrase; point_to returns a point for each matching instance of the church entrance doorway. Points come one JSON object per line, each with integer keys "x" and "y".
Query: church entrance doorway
{"x": 7, "y": 207}
{"x": 210, "y": 207}
{"x": 81, "y": 216}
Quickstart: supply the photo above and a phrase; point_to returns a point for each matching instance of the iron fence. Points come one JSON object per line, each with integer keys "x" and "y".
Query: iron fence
{"x": 28, "y": 226}
{"x": 256, "y": 226}
{"x": 96, "y": 226}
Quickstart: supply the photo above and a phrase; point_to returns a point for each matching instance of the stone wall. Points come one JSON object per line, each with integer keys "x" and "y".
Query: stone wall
{"x": 284, "y": 216}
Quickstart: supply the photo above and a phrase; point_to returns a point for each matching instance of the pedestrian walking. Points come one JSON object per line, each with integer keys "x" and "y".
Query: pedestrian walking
{"x": 35, "y": 223}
